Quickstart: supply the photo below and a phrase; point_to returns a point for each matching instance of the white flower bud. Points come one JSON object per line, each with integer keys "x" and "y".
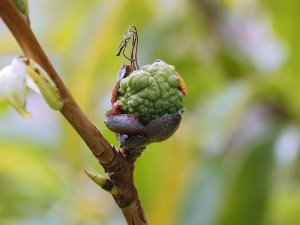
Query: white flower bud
{"x": 13, "y": 86}
{"x": 23, "y": 73}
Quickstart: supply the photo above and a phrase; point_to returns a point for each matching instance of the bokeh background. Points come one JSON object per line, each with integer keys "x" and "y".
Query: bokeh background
{"x": 234, "y": 160}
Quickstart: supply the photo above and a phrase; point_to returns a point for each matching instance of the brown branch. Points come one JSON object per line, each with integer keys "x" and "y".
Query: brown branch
{"x": 112, "y": 160}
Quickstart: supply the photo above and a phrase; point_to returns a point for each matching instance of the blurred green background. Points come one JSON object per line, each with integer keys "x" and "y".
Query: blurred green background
{"x": 235, "y": 158}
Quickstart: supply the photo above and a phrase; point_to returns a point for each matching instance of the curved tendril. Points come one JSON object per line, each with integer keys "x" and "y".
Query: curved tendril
{"x": 131, "y": 33}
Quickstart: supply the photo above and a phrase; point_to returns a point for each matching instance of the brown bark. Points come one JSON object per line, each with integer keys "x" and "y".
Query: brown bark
{"x": 113, "y": 161}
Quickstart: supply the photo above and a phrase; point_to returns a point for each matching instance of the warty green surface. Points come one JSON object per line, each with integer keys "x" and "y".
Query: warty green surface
{"x": 151, "y": 92}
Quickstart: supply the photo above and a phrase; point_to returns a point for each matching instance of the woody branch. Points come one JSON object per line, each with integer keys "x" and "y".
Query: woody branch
{"x": 111, "y": 159}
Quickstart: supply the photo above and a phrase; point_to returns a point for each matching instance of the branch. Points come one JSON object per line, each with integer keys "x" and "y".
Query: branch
{"x": 20, "y": 28}
{"x": 113, "y": 161}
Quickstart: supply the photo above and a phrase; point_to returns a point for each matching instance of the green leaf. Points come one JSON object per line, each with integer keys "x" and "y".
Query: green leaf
{"x": 206, "y": 193}
{"x": 248, "y": 193}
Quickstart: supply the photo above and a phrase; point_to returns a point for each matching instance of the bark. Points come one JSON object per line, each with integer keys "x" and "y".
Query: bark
{"x": 112, "y": 160}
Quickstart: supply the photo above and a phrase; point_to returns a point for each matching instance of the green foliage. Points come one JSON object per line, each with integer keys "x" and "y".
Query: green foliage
{"x": 250, "y": 186}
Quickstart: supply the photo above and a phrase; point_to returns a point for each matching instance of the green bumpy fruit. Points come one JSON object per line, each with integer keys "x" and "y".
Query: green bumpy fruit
{"x": 151, "y": 92}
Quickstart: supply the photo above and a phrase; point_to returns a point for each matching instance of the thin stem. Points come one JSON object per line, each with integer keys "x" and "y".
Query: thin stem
{"x": 113, "y": 161}
{"x": 131, "y": 33}
{"x": 32, "y": 49}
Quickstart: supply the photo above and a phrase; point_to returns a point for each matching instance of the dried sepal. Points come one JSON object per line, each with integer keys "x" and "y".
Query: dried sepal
{"x": 132, "y": 133}
{"x": 163, "y": 127}
{"x": 123, "y": 73}
{"x": 135, "y": 141}
{"x": 124, "y": 124}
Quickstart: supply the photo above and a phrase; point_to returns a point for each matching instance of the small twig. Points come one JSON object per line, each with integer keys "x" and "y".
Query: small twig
{"x": 112, "y": 160}
{"x": 30, "y": 46}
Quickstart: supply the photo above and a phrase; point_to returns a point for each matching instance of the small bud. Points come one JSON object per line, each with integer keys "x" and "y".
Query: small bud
{"x": 23, "y": 73}
{"x": 22, "y": 6}
{"x": 13, "y": 86}
{"x": 103, "y": 182}
{"x": 46, "y": 86}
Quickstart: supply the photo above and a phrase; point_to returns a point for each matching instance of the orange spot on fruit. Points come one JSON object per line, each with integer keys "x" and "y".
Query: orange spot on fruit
{"x": 181, "y": 87}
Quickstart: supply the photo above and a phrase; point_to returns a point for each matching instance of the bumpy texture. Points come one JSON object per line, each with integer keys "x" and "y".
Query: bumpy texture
{"x": 151, "y": 92}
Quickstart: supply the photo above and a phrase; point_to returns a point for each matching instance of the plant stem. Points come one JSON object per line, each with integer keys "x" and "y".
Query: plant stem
{"x": 113, "y": 161}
